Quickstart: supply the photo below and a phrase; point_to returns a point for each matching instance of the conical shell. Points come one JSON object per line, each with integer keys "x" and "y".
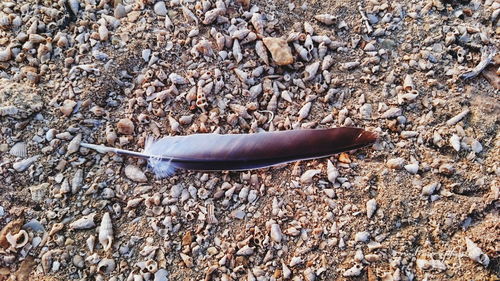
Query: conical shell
{"x": 106, "y": 232}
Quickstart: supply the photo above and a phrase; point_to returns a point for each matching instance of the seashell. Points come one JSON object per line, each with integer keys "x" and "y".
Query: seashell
{"x": 22, "y": 165}
{"x": 332, "y": 172}
{"x": 325, "y": 18}
{"x": 90, "y": 243}
{"x": 322, "y": 50}
{"x": 168, "y": 23}
{"x": 186, "y": 119}
{"x": 431, "y": 265}
{"x": 261, "y": 52}
{"x": 204, "y": 47}
{"x": 455, "y": 142}
{"x": 188, "y": 15}
{"x": 295, "y": 261}
{"x": 308, "y": 43}
{"x": 161, "y": 275}
{"x": 455, "y": 119}
{"x": 245, "y": 251}
{"x": 371, "y": 207}
{"x": 19, "y": 150}
{"x": 106, "y": 232}
{"x": 349, "y": 65}
{"x": 74, "y": 5}
{"x": 74, "y": 144}
{"x": 85, "y": 222}
{"x": 103, "y": 33}
{"x": 110, "y": 135}
{"x": 353, "y": 271}
{"x": 77, "y": 181}
{"x": 36, "y": 38}
{"x": 151, "y": 266}
{"x": 177, "y": 79}
{"x": 304, "y": 111}
{"x": 46, "y": 259}
{"x": 307, "y": 177}
{"x": 252, "y": 36}
{"x": 240, "y": 110}
{"x": 408, "y": 83}
{"x": 237, "y": 51}
{"x": 17, "y": 240}
{"x": 188, "y": 261}
{"x": 212, "y": 15}
{"x": 106, "y": 266}
{"x": 392, "y": 112}
{"x": 5, "y": 54}
{"x": 475, "y": 253}
{"x": 310, "y": 71}
{"x": 67, "y": 107}
{"x": 303, "y": 52}
{"x": 240, "y": 34}
{"x": 275, "y": 233}
{"x": 412, "y": 168}
{"x": 211, "y": 214}
{"x": 4, "y": 21}
{"x": 135, "y": 174}
{"x": 174, "y": 125}
{"x": 258, "y": 23}
{"x": 279, "y": 49}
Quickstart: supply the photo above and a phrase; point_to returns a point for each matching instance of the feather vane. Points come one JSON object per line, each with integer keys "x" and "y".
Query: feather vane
{"x": 214, "y": 152}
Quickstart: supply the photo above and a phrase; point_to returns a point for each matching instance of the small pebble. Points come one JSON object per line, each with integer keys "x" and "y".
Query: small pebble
{"x": 67, "y": 107}
{"x": 125, "y": 126}
{"x": 134, "y": 173}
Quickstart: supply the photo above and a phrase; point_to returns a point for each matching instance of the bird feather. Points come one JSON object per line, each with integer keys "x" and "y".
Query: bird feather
{"x": 233, "y": 152}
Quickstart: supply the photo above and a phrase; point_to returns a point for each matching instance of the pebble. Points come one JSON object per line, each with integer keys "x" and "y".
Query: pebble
{"x": 366, "y": 111}
{"x": 362, "y": 236}
{"x": 74, "y": 144}
{"x": 160, "y": 8}
{"x": 411, "y": 168}
{"x": 395, "y": 163}
{"x": 429, "y": 189}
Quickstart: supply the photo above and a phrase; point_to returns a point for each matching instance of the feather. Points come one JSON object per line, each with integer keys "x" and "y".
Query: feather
{"x": 214, "y": 152}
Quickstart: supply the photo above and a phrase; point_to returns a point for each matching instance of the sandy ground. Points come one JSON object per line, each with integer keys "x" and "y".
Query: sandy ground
{"x": 420, "y": 204}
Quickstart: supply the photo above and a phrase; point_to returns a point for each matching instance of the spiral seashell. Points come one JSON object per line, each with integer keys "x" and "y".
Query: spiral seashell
{"x": 212, "y": 15}
{"x": 325, "y": 18}
{"x": 475, "y": 253}
{"x": 258, "y": 23}
{"x": 106, "y": 266}
{"x": 18, "y": 149}
{"x": 106, "y": 232}
{"x": 310, "y": 71}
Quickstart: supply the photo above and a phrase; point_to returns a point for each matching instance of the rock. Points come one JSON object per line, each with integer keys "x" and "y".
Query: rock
{"x": 125, "y": 126}
{"x": 412, "y": 168}
{"x": 134, "y": 173}
{"x": 279, "y": 49}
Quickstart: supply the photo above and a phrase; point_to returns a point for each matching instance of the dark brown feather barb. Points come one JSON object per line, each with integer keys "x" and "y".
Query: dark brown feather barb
{"x": 213, "y": 152}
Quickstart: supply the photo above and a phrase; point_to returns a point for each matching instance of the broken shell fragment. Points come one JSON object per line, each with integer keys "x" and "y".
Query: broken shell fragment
{"x": 279, "y": 49}
{"x": 85, "y": 222}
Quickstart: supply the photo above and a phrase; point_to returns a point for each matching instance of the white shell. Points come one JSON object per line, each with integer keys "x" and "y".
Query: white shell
{"x": 276, "y": 234}
{"x": 245, "y": 251}
{"x": 17, "y": 240}
{"x": 310, "y": 71}
{"x": 304, "y": 111}
{"x": 475, "y": 253}
{"x": 74, "y": 6}
{"x": 19, "y": 150}
{"x": 84, "y": 222}
{"x": 371, "y": 207}
{"x": 307, "y": 177}
{"x": 331, "y": 172}
{"x": 325, "y": 18}
{"x": 353, "y": 271}
{"x": 106, "y": 266}
{"x": 106, "y": 232}
{"x": 455, "y": 142}
{"x": 408, "y": 83}
{"x": 134, "y": 173}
